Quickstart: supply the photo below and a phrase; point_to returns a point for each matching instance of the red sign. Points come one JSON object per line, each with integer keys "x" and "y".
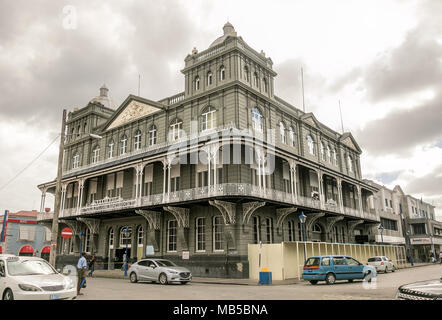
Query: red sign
{"x": 66, "y": 233}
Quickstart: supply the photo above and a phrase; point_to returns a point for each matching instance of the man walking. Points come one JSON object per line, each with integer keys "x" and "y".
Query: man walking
{"x": 81, "y": 269}
{"x": 92, "y": 265}
{"x": 440, "y": 257}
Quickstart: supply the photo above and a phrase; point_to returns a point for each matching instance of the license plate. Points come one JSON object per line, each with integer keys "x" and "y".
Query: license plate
{"x": 54, "y": 296}
{"x": 310, "y": 271}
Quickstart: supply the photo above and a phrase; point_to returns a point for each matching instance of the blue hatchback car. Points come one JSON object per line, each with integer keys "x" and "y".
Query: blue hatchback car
{"x": 332, "y": 268}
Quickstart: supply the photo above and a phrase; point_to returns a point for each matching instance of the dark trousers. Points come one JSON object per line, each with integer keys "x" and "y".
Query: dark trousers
{"x": 81, "y": 276}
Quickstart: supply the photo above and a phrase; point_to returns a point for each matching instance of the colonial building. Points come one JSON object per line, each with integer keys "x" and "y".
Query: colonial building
{"x": 207, "y": 171}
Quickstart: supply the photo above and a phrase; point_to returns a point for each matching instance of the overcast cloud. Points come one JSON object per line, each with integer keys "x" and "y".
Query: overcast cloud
{"x": 381, "y": 59}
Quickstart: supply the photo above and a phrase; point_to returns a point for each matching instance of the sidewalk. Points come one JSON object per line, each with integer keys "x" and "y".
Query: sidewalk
{"x": 118, "y": 274}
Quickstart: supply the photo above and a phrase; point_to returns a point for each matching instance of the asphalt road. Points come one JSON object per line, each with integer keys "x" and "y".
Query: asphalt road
{"x": 383, "y": 288}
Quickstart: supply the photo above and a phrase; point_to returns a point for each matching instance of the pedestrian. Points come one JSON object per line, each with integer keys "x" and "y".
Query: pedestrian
{"x": 81, "y": 270}
{"x": 440, "y": 257}
{"x": 92, "y": 265}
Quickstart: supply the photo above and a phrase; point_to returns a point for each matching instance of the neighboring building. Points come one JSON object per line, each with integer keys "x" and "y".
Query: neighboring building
{"x": 409, "y": 221}
{"x": 425, "y": 231}
{"x": 24, "y": 236}
{"x": 249, "y": 164}
{"x": 389, "y": 204}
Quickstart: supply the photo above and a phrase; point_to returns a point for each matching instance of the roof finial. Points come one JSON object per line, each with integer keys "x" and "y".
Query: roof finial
{"x": 103, "y": 90}
{"x": 228, "y": 28}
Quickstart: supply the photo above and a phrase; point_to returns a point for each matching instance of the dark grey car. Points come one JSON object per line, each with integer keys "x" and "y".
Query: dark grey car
{"x": 158, "y": 270}
{"x": 423, "y": 290}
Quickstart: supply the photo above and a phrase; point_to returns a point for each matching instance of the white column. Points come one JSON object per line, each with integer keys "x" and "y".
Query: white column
{"x": 294, "y": 182}
{"x": 136, "y": 182}
{"x": 168, "y": 179}
{"x": 209, "y": 158}
{"x": 141, "y": 181}
{"x": 321, "y": 194}
{"x": 164, "y": 179}
{"x": 360, "y": 200}
{"x": 341, "y": 198}
{"x": 42, "y": 201}
{"x": 214, "y": 168}
{"x": 259, "y": 172}
{"x": 264, "y": 176}
{"x": 80, "y": 195}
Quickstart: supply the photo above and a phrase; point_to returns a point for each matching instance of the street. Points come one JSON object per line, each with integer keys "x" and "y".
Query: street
{"x": 384, "y": 288}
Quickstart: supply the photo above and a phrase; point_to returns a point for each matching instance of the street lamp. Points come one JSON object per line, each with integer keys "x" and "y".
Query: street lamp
{"x": 381, "y": 229}
{"x": 407, "y": 232}
{"x": 126, "y": 233}
{"x": 80, "y": 235}
{"x": 302, "y": 218}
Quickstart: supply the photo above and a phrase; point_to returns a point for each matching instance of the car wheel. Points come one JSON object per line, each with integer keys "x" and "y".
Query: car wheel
{"x": 330, "y": 278}
{"x": 350, "y": 280}
{"x": 184, "y": 282}
{"x": 386, "y": 270}
{"x": 393, "y": 269}
{"x": 163, "y": 278}
{"x": 8, "y": 295}
{"x": 133, "y": 277}
{"x": 367, "y": 276}
{"x": 313, "y": 282}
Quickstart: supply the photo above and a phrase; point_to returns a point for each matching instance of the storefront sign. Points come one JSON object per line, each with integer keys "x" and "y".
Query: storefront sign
{"x": 150, "y": 251}
{"x": 185, "y": 255}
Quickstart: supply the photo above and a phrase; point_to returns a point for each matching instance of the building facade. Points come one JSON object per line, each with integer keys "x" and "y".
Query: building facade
{"x": 24, "y": 236}
{"x": 199, "y": 175}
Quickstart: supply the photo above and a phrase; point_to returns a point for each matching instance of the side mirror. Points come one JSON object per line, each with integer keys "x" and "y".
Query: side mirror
{"x": 2, "y": 273}
{"x": 59, "y": 270}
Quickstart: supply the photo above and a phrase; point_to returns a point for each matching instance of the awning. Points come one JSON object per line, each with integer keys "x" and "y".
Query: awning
{"x": 26, "y": 249}
{"x": 46, "y": 249}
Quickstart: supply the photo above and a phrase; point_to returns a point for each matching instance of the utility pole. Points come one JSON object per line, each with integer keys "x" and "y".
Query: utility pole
{"x": 54, "y": 235}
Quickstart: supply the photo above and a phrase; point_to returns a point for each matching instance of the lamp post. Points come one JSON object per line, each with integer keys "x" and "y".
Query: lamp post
{"x": 432, "y": 245}
{"x": 302, "y": 218}
{"x": 381, "y": 229}
{"x": 126, "y": 235}
{"x": 80, "y": 235}
{"x": 410, "y": 248}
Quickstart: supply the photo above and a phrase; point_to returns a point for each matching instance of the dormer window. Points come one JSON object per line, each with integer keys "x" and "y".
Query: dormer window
{"x": 282, "y": 132}
{"x": 209, "y": 78}
{"x": 123, "y": 145}
{"x": 246, "y": 74}
{"x": 111, "y": 149}
{"x": 197, "y": 83}
{"x": 76, "y": 161}
{"x": 257, "y": 120}
{"x": 311, "y": 145}
{"x": 96, "y": 154}
{"x": 350, "y": 163}
{"x": 137, "y": 140}
{"x": 222, "y": 73}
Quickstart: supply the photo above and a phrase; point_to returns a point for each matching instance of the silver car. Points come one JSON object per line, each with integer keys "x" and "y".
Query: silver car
{"x": 382, "y": 263}
{"x": 158, "y": 270}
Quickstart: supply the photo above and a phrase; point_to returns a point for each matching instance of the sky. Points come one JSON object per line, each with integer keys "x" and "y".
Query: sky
{"x": 381, "y": 59}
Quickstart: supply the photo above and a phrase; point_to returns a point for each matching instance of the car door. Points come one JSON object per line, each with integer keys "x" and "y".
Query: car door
{"x": 340, "y": 268}
{"x": 151, "y": 270}
{"x": 2, "y": 276}
{"x": 142, "y": 269}
{"x": 388, "y": 263}
{"x": 355, "y": 268}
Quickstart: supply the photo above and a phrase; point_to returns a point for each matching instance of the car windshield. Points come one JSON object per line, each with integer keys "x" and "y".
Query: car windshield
{"x": 29, "y": 267}
{"x": 312, "y": 262}
{"x": 374, "y": 259}
{"x": 165, "y": 263}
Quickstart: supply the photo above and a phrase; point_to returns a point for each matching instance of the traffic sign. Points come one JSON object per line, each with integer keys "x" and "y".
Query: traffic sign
{"x": 66, "y": 233}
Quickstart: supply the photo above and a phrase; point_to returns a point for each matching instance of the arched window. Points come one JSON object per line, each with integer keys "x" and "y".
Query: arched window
{"x": 246, "y": 74}
{"x": 152, "y": 135}
{"x": 111, "y": 238}
{"x": 175, "y": 130}
{"x": 291, "y": 137}
{"x": 123, "y": 144}
{"x": 269, "y": 230}
{"x": 76, "y": 161}
{"x": 200, "y": 230}
{"x": 96, "y": 154}
{"x": 208, "y": 118}
{"x": 310, "y": 144}
{"x": 264, "y": 81}
{"x": 218, "y": 243}
{"x": 335, "y": 157}
{"x": 282, "y": 132}
{"x": 350, "y": 163}
{"x": 328, "y": 154}
{"x": 255, "y": 79}
{"x": 124, "y": 238}
{"x": 140, "y": 235}
{"x": 209, "y": 78}
{"x": 317, "y": 228}
{"x": 257, "y": 120}
{"x": 110, "y": 150}
{"x": 222, "y": 73}
{"x": 197, "y": 83}
{"x": 291, "y": 230}
{"x": 137, "y": 140}
{"x": 322, "y": 151}
{"x": 171, "y": 235}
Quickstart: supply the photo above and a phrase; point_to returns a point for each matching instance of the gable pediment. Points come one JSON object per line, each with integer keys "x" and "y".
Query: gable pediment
{"x": 133, "y": 110}
{"x": 311, "y": 120}
{"x": 348, "y": 140}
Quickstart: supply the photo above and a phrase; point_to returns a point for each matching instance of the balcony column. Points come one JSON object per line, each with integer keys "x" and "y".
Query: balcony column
{"x": 80, "y": 195}
{"x": 214, "y": 166}
{"x": 340, "y": 197}
{"x": 42, "y": 201}
{"x": 164, "y": 178}
{"x": 360, "y": 200}
{"x": 63, "y": 198}
{"x": 321, "y": 191}
{"x": 259, "y": 171}
{"x": 136, "y": 181}
{"x": 141, "y": 181}
{"x": 263, "y": 174}
{"x": 168, "y": 179}
{"x": 209, "y": 159}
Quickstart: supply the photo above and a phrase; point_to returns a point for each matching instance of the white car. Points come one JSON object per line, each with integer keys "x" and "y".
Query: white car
{"x": 382, "y": 263}
{"x": 32, "y": 278}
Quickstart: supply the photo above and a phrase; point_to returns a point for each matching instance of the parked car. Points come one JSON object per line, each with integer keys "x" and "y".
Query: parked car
{"x": 158, "y": 270}
{"x": 32, "y": 278}
{"x": 423, "y": 290}
{"x": 332, "y": 268}
{"x": 382, "y": 263}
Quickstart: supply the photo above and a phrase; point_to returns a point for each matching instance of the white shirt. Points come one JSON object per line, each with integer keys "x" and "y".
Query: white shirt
{"x": 82, "y": 263}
